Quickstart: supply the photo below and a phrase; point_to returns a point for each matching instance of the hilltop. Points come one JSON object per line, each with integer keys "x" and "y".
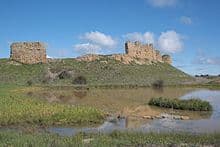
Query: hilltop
{"x": 104, "y": 71}
{"x": 140, "y": 65}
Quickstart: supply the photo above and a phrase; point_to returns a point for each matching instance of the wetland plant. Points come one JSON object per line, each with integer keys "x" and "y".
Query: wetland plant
{"x": 190, "y": 104}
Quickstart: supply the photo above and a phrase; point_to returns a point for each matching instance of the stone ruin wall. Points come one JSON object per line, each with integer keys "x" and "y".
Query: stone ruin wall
{"x": 35, "y": 52}
{"x": 28, "y": 52}
{"x": 142, "y": 51}
{"x": 134, "y": 52}
{"x": 141, "y": 54}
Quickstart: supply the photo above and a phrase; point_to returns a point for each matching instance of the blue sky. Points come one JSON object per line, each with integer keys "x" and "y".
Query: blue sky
{"x": 186, "y": 29}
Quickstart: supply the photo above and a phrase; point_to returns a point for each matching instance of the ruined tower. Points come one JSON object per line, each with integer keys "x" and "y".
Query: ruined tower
{"x": 28, "y": 52}
{"x": 142, "y": 51}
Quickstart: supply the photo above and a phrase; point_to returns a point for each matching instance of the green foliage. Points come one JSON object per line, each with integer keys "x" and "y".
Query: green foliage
{"x": 8, "y": 138}
{"x": 17, "y": 109}
{"x": 158, "y": 84}
{"x": 29, "y": 82}
{"x": 80, "y": 80}
{"x": 112, "y": 73}
{"x": 191, "y": 104}
{"x": 64, "y": 75}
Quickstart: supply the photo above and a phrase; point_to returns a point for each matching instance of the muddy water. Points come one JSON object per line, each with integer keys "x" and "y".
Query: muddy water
{"x": 110, "y": 100}
{"x": 131, "y": 103}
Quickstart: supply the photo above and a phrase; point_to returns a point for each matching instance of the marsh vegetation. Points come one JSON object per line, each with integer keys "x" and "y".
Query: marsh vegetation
{"x": 190, "y": 104}
{"x": 8, "y": 138}
{"x": 18, "y": 109}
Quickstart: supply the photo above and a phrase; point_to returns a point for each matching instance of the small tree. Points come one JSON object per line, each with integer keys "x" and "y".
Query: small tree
{"x": 158, "y": 84}
{"x": 80, "y": 80}
{"x": 29, "y": 82}
{"x": 64, "y": 75}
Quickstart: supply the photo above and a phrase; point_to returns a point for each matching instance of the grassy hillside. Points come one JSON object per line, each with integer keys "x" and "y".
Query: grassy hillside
{"x": 101, "y": 72}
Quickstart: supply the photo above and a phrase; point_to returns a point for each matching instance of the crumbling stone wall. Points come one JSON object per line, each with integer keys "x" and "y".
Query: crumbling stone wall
{"x": 134, "y": 52}
{"x": 28, "y": 52}
{"x": 88, "y": 57}
{"x": 142, "y": 51}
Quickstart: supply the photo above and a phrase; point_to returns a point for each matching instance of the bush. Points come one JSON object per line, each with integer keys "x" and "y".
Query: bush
{"x": 191, "y": 104}
{"x": 80, "y": 80}
{"x": 29, "y": 82}
{"x": 158, "y": 84}
{"x": 64, "y": 75}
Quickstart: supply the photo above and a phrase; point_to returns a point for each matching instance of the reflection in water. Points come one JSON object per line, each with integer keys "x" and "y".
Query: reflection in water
{"x": 212, "y": 96}
{"x": 109, "y": 100}
{"x": 205, "y": 122}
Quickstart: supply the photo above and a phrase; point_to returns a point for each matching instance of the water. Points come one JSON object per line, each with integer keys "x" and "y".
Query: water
{"x": 122, "y": 100}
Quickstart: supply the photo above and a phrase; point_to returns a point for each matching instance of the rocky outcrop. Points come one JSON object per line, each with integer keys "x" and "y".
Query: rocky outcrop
{"x": 28, "y": 52}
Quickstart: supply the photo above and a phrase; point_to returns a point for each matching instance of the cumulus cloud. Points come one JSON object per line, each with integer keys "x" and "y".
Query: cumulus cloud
{"x": 186, "y": 20}
{"x": 162, "y": 3}
{"x": 94, "y": 43}
{"x": 202, "y": 58}
{"x": 49, "y": 57}
{"x": 170, "y": 41}
{"x": 100, "y": 39}
{"x": 87, "y": 48}
{"x": 147, "y": 37}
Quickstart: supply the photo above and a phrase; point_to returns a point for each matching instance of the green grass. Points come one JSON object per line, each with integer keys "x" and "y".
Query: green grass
{"x": 8, "y": 138}
{"x": 17, "y": 109}
{"x": 191, "y": 104}
{"x": 96, "y": 73}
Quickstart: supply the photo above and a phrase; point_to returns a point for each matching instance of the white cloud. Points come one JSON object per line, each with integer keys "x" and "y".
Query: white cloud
{"x": 186, "y": 20}
{"x": 147, "y": 37}
{"x": 162, "y": 3}
{"x": 49, "y": 57}
{"x": 94, "y": 43}
{"x": 208, "y": 60}
{"x": 100, "y": 39}
{"x": 87, "y": 48}
{"x": 170, "y": 41}
{"x": 202, "y": 58}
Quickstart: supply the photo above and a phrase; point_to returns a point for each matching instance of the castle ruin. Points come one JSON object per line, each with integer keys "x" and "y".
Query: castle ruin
{"x": 134, "y": 52}
{"x": 142, "y": 51}
{"x": 28, "y": 52}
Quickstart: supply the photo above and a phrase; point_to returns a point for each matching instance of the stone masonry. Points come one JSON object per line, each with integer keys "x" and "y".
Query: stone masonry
{"x": 142, "y": 51}
{"x": 135, "y": 52}
{"x": 28, "y": 52}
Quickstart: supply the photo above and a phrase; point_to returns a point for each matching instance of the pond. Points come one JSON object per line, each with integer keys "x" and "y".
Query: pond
{"x": 132, "y": 105}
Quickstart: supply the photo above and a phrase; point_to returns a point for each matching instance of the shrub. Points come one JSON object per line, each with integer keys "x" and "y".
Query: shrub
{"x": 80, "y": 80}
{"x": 46, "y": 79}
{"x": 64, "y": 75}
{"x": 29, "y": 82}
{"x": 158, "y": 84}
{"x": 191, "y": 104}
